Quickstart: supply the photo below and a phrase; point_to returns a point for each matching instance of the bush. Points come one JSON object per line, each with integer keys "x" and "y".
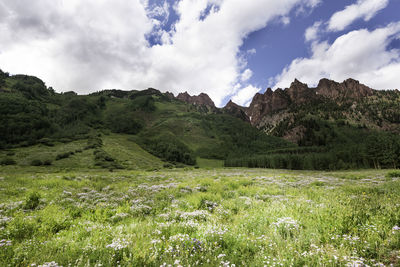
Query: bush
{"x": 47, "y": 162}
{"x": 168, "y": 165}
{"x": 169, "y": 148}
{"x": 64, "y": 155}
{"x": 10, "y": 153}
{"x": 36, "y": 162}
{"x": 8, "y": 161}
{"x": 94, "y": 142}
{"x": 46, "y": 142}
{"x": 32, "y": 201}
{"x": 393, "y": 174}
{"x": 104, "y": 160}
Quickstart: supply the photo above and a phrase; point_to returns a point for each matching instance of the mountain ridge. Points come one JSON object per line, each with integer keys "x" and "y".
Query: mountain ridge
{"x": 332, "y": 126}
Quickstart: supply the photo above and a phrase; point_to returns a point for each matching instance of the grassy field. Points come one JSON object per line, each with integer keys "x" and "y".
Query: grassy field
{"x": 210, "y": 217}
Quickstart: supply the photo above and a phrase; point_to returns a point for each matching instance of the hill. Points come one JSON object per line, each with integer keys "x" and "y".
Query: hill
{"x": 174, "y": 130}
{"x": 335, "y": 125}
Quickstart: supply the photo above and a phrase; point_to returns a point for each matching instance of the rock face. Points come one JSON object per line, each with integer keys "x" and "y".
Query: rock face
{"x": 299, "y": 93}
{"x": 267, "y": 103}
{"x": 200, "y": 100}
{"x": 348, "y": 89}
{"x": 236, "y": 110}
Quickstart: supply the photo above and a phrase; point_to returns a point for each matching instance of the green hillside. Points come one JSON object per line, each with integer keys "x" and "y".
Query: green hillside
{"x": 38, "y": 124}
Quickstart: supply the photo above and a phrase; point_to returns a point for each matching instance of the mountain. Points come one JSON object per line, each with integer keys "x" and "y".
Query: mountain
{"x": 175, "y": 129}
{"x": 281, "y": 112}
{"x": 335, "y": 125}
{"x": 332, "y": 126}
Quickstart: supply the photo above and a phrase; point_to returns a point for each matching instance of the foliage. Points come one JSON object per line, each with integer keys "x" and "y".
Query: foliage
{"x": 31, "y": 113}
{"x": 7, "y": 161}
{"x": 32, "y": 201}
{"x": 393, "y": 174}
{"x": 64, "y": 155}
{"x": 104, "y": 160}
{"x": 36, "y": 162}
{"x": 168, "y": 147}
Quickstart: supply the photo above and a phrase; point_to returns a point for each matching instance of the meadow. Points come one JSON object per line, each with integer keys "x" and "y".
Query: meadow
{"x": 191, "y": 217}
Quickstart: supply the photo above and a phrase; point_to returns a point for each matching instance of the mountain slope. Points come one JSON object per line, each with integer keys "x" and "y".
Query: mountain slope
{"x": 348, "y": 124}
{"x": 172, "y": 129}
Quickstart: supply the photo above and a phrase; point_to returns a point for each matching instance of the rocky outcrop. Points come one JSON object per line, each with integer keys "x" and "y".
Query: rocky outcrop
{"x": 299, "y": 93}
{"x": 200, "y": 100}
{"x": 267, "y": 103}
{"x": 236, "y": 110}
{"x": 348, "y": 89}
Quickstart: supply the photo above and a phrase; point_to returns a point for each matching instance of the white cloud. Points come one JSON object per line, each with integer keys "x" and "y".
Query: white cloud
{"x": 361, "y": 54}
{"x": 94, "y": 44}
{"x": 252, "y": 51}
{"x": 246, "y": 75}
{"x": 312, "y": 32}
{"x": 285, "y": 20}
{"x": 363, "y": 9}
{"x": 245, "y": 95}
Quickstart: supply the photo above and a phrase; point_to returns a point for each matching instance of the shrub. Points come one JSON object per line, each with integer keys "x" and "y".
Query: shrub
{"x": 64, "y": 155}
{"x": 94, "y": 142}
{"x": 393, "y": 174}
{"x": 169, "y": 148}
{"x": 46, "y": 142}
{"x": 104, "y": 160}
{"x": 32, "y": 201}
{"x": 36, "y": 162}
{"x": 47, "y": 162}
{"x": 8, "y": 161}
{"x": 168, "y": 165}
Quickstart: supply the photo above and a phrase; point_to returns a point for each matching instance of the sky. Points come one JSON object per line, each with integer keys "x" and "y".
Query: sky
{"x": 229, "y": 49}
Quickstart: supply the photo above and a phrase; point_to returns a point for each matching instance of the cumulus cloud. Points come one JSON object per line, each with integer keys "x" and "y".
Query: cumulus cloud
{"x": 362, "y": 54}
{"x": 363, "y": 9}
{"x": 246, "y": 75}
{"x": 312, "y": 32}
{"x": 94, "y": 44}
{"x": 245, "y": 95}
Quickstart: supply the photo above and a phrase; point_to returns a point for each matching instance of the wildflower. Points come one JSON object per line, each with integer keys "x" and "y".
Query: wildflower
{"x": 118, "y": 244}
{"x": 5, "y": 243}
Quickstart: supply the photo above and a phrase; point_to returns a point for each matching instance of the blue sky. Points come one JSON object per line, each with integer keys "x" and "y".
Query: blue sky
{"x": 281, "y": 44}
{"x": 229, "y": 49}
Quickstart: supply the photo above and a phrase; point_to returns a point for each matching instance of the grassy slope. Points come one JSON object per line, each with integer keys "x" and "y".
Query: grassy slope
{"x": 200, "y": 217}
{"x": 126, "y": 152}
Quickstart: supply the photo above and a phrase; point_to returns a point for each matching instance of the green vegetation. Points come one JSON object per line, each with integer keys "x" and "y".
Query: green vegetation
{"x": 174, "y": 131}
{"x": 209, "y": 163}
{"x": 198, "y": 217}
{"x": 330, "y": 146}
{"x": 70, "y": 129}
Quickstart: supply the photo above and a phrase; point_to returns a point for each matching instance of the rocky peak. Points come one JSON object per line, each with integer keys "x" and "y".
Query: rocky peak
{"x": 200, "y": 100}
{"x": 266, "y": 103}
{"x": 299, "y": 93}
{"x": 268, "y": 92}
{"x": 169, "y": 95}
{"x": 350, "y": 88}
{"x": 184, "y": 97}
{"x": 236, "y": 110}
